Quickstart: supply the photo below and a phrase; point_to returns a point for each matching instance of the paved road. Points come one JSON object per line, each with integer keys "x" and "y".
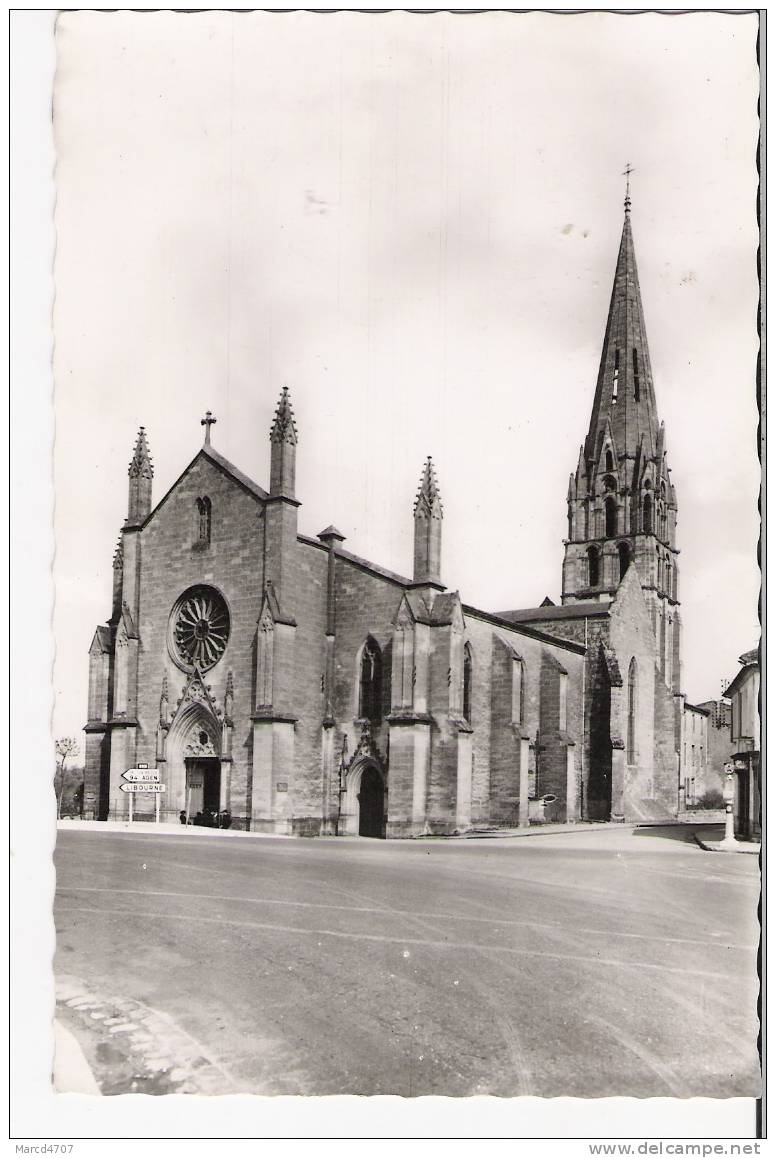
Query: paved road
{"x": 587, "y": 964}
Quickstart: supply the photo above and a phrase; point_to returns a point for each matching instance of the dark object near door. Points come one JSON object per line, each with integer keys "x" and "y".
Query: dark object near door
{"x": 371, "y": 810}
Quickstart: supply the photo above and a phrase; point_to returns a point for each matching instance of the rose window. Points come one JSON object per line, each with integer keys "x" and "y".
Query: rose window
{"x": 199, "y": 628}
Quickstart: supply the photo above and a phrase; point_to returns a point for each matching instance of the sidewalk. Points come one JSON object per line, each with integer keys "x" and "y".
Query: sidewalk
{"x": 147, "y": 828}
{"x": 705, "y": 839}
{"x": 72, "y": 1072}
{"x": 150, "y": 828}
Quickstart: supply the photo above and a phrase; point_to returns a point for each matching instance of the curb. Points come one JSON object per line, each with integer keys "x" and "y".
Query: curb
{"x": 144, "y": 828}
{"x": 742, "y": 846}
{"x": 72, "y": 1072}
{"x": 105, "y": 827}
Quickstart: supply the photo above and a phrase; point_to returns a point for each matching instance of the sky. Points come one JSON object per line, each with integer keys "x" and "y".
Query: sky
{"x": 412, "y": 221}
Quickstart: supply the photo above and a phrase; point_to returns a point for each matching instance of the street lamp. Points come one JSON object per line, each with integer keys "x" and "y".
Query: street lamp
{"x": 728, "y": 794}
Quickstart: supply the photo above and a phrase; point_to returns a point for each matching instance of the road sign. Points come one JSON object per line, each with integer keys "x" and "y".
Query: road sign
{"x": 143, "y": 787}
{"x": 141, "y": 775}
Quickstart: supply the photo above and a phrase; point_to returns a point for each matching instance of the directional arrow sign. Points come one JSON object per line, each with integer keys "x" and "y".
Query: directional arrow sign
{"x": 141, "y": 775}
{"x": 143, "y": 787}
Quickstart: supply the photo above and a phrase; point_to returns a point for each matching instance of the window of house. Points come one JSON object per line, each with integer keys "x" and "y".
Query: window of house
{"x": 203, "y": 520}
{"x": 371, "y": 682}
{"x": 632, "y": 698}
{"x": 593, "y": 569}
{"x": 467, "y": 683}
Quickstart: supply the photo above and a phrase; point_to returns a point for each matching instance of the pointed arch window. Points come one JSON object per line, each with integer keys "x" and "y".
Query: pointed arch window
{"x": 518, "y": 681}
{"x": 632, "y": 710}
{"x": 616, "y": 375}
{"x": 624, "y": 552}
{"x": 610, "y": 510}
{"x": 636, "y": 384}
{"x": 204, "y": 512}
{"x": 647, "y": 515}
{"x": 370, "y": 690}
{"x": 593, "y": 567}
{"x": 467, "y": 683}
{"x": 563, "y": 691}
{"x": 609, "y": 460}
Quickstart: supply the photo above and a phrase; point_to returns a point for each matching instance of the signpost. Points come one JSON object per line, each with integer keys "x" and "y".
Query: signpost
{"x": 142, "y": 779}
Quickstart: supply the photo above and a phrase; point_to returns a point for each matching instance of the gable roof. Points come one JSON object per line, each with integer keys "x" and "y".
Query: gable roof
{"x": 234, "y": 472}
{"x": 364, "y": 564}
{"x": 750, "y": 662}
{"x": 567, "y": 611}
{"x": 224, "y": 465}
{"x": 102, "y": 639}
{"x": 445, "y": 606}
{"x": 499, "y": 620}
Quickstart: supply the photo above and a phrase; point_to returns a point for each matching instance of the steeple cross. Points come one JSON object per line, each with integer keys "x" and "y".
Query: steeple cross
{"x": 626, "y": 174}
{"x": 207, "y": 422}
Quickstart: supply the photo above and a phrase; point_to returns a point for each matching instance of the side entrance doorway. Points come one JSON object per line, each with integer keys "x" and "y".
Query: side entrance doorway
{"x": 371, "y": 803}
{"x": 203, "y": 785}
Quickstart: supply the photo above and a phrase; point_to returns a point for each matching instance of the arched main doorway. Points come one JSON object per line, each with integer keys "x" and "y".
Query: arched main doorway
{"x": 371, "y": 803}
{"x": 193, "y": 764}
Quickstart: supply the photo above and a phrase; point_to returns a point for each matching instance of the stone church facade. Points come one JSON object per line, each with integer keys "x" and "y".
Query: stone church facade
{"x": 308, "y": 691}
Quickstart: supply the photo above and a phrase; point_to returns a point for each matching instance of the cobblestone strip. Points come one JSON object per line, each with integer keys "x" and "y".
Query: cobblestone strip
{"x": 133, "y": 1048}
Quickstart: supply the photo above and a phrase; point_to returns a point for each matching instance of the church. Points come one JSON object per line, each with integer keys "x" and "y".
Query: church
{"x": 308, "y": 691}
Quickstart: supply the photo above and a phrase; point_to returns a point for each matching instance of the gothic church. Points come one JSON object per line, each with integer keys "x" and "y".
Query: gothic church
{"x": 308, "y": 691}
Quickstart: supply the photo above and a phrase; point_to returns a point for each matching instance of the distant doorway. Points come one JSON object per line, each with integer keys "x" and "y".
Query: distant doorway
{"x": 203, "y": 786}
{"x": 599, "y": 784}
{"x": 371, "y": 803}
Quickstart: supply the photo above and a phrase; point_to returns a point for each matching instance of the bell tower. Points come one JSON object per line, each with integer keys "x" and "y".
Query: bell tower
{"x": 622, "y": 505}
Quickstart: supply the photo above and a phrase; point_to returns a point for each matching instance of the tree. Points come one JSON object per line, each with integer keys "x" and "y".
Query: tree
{"x": 66, "y": 746}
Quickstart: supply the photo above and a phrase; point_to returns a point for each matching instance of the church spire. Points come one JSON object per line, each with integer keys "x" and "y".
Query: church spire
{"x": 141, "y": 473}
{"x": 283, "y": 436}
{"x": 621, "y": 504}
{"x": 625, "y": 395}
{"x": 428, "y": 527}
